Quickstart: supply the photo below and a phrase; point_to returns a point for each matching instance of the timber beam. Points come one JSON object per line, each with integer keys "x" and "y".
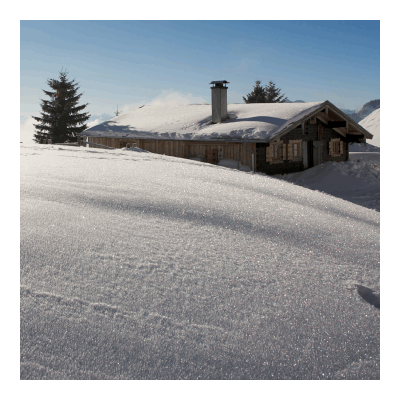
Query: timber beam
{"x": 337, "y": 124}
{"x": 334, "y": 117}
{"x": 322, "y": 118}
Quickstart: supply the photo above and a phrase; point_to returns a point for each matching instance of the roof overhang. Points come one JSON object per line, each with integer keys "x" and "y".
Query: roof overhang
{"x": 328, "y": 113}
{"x": 324, "y": 111}
{"x": 221, "y": 138}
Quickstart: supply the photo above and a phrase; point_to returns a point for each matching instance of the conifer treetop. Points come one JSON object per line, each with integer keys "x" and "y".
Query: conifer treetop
{"x": 61, "y": 117}
{"x": 274, "y": 93}
{"x": 258, "y": 95}
{"x": 267, "y": 94}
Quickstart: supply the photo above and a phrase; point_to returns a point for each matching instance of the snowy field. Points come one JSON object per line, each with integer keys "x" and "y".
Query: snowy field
{"x": 141, "y": 266}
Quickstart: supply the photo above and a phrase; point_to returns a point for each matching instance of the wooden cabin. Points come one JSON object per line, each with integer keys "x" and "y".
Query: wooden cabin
{"x": 274, "y": 138}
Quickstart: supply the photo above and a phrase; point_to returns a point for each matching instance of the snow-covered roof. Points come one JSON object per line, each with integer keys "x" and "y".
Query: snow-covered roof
{"x": 261, "y": 121}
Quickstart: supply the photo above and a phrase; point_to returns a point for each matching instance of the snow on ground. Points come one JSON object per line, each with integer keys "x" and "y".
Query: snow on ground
{"x": 230, "y": 163}
{"x": 356, "y": 180}
{"x": 193, "y": 122}
{"x": 363, "y": 148}
{"x": 142, "y": 266}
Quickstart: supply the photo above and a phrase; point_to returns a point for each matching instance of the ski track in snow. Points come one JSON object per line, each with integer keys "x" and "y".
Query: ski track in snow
{"x": 140, "y": 266}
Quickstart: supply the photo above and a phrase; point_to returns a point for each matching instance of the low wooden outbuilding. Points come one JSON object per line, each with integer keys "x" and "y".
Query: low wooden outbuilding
{"x": 273, "y": 138}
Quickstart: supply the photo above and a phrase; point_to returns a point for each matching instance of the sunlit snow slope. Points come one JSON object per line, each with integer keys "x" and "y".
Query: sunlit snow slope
{"x": 372, "y": 124}
{"x": 142, "y": 266}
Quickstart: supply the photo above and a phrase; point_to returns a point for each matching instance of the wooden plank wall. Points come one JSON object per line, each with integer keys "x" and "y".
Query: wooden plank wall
{"x": 206, "y": 151}
{"x": 316, "y": 131}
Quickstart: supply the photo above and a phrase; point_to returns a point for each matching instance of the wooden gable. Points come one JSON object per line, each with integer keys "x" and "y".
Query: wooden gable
{"x": 333, "y": 118}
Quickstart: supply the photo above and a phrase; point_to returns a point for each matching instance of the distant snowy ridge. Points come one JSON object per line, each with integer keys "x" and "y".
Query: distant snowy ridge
{"x": 365, "y": 110}
{"x": 347, "y": 111}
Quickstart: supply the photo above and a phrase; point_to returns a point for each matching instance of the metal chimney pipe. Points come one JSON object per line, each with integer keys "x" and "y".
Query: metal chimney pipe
{"x": 219, "y": 101}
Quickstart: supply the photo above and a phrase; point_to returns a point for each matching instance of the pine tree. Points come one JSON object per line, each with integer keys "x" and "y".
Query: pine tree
{"x": 61, "y": 119}
{"x": 274, "y": 94}
{"x": 258, "y": 95}
{"x": 268, "y": 94}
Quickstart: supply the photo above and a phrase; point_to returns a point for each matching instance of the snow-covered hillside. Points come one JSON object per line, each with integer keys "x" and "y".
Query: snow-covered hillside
{"x": 142, "y": 266}
{"x": 372, "y": 124}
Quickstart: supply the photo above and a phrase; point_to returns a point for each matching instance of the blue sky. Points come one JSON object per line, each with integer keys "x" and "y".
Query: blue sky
{"x": 131, "y": 63}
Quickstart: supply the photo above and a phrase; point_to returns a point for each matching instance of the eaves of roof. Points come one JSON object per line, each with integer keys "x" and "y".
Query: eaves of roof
{"x": 276, "y": 136}
{"x": 325, "y": 104}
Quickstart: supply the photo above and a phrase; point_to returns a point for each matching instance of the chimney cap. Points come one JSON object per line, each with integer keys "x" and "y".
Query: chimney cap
{"x": 218, "y": 83}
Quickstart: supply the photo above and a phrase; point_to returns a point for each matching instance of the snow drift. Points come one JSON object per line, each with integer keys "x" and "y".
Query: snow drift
{"x": 141, "y": 266}
{"x": 357, "y": 180}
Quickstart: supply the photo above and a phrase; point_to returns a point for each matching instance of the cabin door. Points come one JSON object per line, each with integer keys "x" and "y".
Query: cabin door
{"x": 211, "y": 154}
{"x": 310, "y": 158}
{"x": 305, "y": 154}
{"x": 317, "y": 152}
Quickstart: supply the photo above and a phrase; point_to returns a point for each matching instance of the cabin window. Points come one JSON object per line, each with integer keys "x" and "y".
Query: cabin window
{"x": 276, "y": 152}
{"x": 335, "y": 147}
{"x": 295, "y": 150}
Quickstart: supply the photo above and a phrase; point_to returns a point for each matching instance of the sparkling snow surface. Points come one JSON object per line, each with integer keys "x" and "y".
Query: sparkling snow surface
{"x": 141, "y": 266}
{"x": 192, "y": 122}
